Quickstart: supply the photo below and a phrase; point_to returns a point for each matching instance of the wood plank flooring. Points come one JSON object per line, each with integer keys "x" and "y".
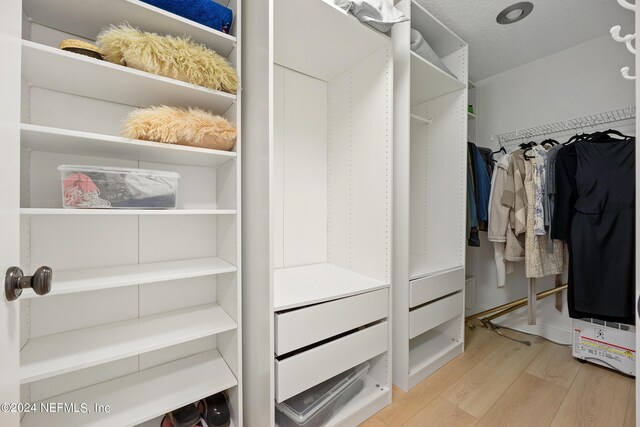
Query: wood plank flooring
{"x": 499, "y": 382}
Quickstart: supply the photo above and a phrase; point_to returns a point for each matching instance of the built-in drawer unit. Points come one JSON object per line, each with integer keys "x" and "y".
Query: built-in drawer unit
{"x": 298, "y": 328}
{"x": 429, "y": 288}
{"x": 431, "y": 315}
{"x": 304, "y": 370}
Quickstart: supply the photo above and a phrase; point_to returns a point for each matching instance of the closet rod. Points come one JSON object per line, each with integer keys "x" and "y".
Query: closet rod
{"x": 588, "y": 121}
{"x": 503, "y": 309}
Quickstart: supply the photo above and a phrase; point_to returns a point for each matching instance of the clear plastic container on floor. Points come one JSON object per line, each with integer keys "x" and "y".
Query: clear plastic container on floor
{"x": 117, "y": 188}
{"x": 313, "y": 407}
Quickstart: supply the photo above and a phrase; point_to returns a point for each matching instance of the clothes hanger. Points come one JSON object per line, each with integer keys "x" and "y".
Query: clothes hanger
{"x": 501, "y": 150}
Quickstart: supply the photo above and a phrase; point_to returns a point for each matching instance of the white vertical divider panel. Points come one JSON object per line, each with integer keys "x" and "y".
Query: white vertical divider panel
{"x": 371, "y": 139}
{"x": 360, "y": 144}
{"x": 400, "y": 35}
{"x": 10, "y": 30}
{"x": 257, "y": 190}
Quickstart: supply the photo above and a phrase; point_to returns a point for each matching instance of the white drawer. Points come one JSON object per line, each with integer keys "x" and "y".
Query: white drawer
{"x": 298, "y": 328}
{"x": 302, "y": 371}
{"x": 431, "y": 315}
{"x": 432, "y": 287}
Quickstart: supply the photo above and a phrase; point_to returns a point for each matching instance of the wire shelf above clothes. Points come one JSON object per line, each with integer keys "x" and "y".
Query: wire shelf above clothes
{"x": 584, "y": 123}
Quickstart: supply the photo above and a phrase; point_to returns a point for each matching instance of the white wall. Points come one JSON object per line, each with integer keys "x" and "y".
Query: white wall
{"x": 578, "y": 81}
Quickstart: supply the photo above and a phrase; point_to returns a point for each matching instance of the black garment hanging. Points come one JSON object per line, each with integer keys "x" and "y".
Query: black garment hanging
{"x": 595, "y": 214}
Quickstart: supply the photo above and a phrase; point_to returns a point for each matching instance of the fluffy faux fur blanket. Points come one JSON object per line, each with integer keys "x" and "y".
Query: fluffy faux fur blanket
{"x": 193, "y": 127}
{"x": 175, "y": 57}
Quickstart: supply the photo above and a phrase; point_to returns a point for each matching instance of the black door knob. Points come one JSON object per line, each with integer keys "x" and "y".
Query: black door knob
{"x": 15, "y": 281}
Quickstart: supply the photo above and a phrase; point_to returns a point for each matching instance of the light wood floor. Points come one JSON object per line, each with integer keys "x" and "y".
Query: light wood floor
{"x": 499, "y": 382}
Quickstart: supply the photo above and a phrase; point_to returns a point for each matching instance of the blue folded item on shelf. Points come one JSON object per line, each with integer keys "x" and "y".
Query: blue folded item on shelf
{"x": 205, "y": 12}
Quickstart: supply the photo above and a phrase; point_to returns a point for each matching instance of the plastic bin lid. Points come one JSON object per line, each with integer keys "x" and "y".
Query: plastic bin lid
{"x": 304, "y": 405}
{"x": 109, "y": 169}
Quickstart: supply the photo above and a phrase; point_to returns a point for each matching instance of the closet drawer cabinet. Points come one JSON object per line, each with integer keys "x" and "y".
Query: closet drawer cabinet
{"x": 431, "y": 315}
{"x": 302, "y": 371}
{"x": 298, "y": 328}
{"x": 436, "y": 286}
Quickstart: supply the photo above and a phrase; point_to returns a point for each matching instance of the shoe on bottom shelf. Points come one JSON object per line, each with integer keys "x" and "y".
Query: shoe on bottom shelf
{"x": 215, "y": 411}
{"x": 187, "y": 416}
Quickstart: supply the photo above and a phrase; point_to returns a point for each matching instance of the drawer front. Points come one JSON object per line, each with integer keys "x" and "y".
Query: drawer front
{"x": 302, "y": 371}
{"x": 431, "y": 315}
{"x": 432, "y": 287}
{"x": 299, "y": 328}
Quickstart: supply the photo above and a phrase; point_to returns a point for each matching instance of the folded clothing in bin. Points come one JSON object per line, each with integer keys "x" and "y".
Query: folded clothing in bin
{"x": 313, "y": 407}
{"x": 103, "y": 187}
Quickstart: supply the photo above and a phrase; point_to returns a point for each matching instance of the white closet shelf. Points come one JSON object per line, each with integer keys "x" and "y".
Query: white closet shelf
{"x": 441, "y": 39}
{"x": 315, "y": 283}
{"x": 144, "y": 395}
{"x": 86, "y": 18}
{"x": 429, "y": 82}
{"x": 94, "y": 212}
{"x": 422, "y": 266}
{"x": 432, "y": 346}
{"x": 91, "y": 279}
{"x": 58, "y": 70}
{"x": 55, "y": 140}
{"x": 52, "y": 355}
{"x": 329, "y": 32}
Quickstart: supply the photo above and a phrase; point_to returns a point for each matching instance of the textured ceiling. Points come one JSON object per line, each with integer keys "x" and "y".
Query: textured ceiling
{"x": 553, "y": 26}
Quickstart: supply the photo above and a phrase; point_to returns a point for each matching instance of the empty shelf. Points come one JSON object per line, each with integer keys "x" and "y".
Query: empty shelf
{"x": 61, "y": 211}
{"x": 54, "y": 140}
{"x": 422, "y": 266}
{"x": 86, "y": 18}
{"x": 58, "y": 70}
{"x": 311, "y": 284}
{"x": 429, "y": 348}
{"x": 429, "y": 82}
{"x": 91, "y": 279}
{"x": 144, "y": 395}
{"x": 57, "y": 354}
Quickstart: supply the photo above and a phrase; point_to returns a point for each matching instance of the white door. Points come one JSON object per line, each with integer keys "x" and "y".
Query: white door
{"x": 10, "y": 28}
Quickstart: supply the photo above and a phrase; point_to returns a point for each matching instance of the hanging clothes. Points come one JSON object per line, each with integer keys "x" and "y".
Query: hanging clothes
{"x": 473, "y": 237}
{"x": 514, "y": 195}
{"x": 550, "y": 197}
{"x": 595, "y": 213}
{"x": 482, "y": 186}
{"x": 538, "y": 262}
{"x": 499, "y": 220}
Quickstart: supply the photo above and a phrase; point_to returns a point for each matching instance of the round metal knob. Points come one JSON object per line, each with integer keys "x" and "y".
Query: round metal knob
{"x": 15, "y": 281}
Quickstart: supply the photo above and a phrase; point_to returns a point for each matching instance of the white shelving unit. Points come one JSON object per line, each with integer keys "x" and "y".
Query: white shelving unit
{"x": 145, "y": 309}
{"x": 326, "y": 306}
{"x": 430, "y": 157}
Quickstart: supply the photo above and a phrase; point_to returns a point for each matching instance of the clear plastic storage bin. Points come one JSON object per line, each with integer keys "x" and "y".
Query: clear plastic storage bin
{"x": 315, "y": 406}
{"x": 117, "y": 188}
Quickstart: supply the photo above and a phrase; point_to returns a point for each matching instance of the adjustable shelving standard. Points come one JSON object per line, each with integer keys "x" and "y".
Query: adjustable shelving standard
{"x": 318, "y": 273}
{"x": 430, "y": 156}
{"x": 144, "y": 314}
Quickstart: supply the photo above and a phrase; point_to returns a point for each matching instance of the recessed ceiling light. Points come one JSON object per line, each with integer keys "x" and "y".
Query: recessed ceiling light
{"x": 514, "y": 13}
